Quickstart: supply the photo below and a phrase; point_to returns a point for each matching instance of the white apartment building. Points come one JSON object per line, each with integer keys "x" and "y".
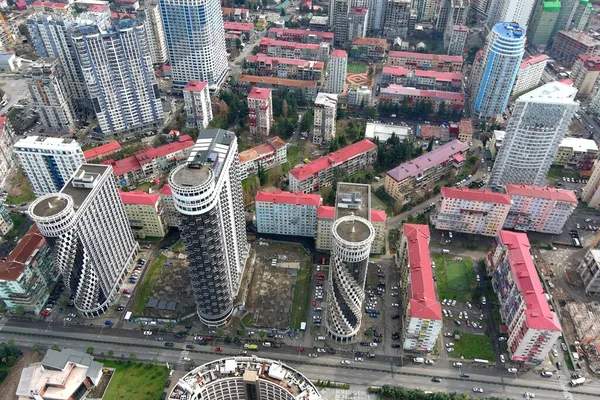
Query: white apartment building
{"x": 325, "y": 111}
{"x": 589, "y": 271}
{"x": 118, "y": 71}
{"x": 517, "y": 11}
{"x": 358, "y": 20}
{"x": 171, "y": 213}
{"x": 92, "y": 243}
{"x": 47, "y": 85}
{"x": 397, "y": 19}
{"x": 336, "y": 68}
{"x": 422, "y": 312}
{"x": 479, "y": 212}
{"x": 530, "y": 73}
{"x": 7, "y": 137}
{"x": 198, "y": 109}
{"x": 534, "y": 131}
{"x": 539, "y": 209}
{"x": 260, "y": 111}
{"x": 149, "y": 14}
{"x": 533, "y": 328}
{"x": 325, "y": 220}
{"x": 285, "y": 213}
{"x": 207, "y": 192}
{"x": 48, "y": 162}
{"x": 268, "y": 155}
{"x": 590, "y": 193}
{"x": 458, "y": 37}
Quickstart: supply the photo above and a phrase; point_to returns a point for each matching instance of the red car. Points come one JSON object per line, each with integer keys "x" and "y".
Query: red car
{"x": 218, "y": 349}
{"x": 300, "y": 349}
{"x": 126, "y": 291}
{"x": 207, "y": 338}
{"x": 320, "y": 277}
{"x": 45, "y": 313}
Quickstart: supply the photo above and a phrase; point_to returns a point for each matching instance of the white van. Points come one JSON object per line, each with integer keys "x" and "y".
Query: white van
{"x": 320, "y": 338}
{"x": 445, "y": 251}
{"x": 419, "y": 360}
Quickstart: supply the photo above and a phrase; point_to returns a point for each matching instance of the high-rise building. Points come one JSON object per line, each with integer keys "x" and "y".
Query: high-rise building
{"x": 196, "y": 41}
{"x": 530, "y": 73}
{"x": 7, "y": 137}
{"x": 260, "y": 111}
{"x": 534, "y": 131}
{"x": 338, "y": 20}
{"x": 585, "y": 72}
{"x": 483, "y": 6}
{"x": 352, "y": 237}
{"x": 87, "y": 229}
{"x": 207, "y": 193}
{"x": 49, "y": 91}
{"x": 514, "y": 11}
{"x": 198, "y": 109}
{"x": 324, "y": 118}
{"x": 458, "y": 38}
{"x": 376, "y": 16}
{"x": 48, "y": 162}
{"x": 574, "y": 14}
{"x": 425, "y": 9}
{"x": 590, "y": 193}
{"x": 568, "y": 45}
{"x": 397, "y": 19}
{"x": 456, "y": 14}
{"x": 589, "y": 271}
{"x": 495, "y": 74}
{"x": 358, "y": 20}
{"x": 337, "y": 67}
{"x": 118, "y": 71}
{"x": 543, "y": 21}
{"x": 149, "y": 13}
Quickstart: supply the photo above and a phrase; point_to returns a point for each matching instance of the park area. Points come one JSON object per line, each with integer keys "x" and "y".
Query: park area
{"x": 455, "y": 277}
{"x": 356, "y": 68}
{"x": 133, "y": 380}
{"x": 472, "y": 346}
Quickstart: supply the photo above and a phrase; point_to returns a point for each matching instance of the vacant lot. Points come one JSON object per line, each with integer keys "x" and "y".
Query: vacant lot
{"x": 455, "y": 277}
{"x": 136, "y": 381}
{"x": 20, "y": 191}
{"x": 474, "y": 346}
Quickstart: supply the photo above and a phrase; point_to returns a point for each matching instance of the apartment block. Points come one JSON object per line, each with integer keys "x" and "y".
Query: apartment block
{"x": 397, "y": 19}
{"x": 457, "y": 39}
{"x": 543, "y": 21}
{"x": 6, "y": 222}
{"x": 235, "y": 14}
{"x": 297, "y": 50}
{"x": 585, "y": 73}
{"x": 530, "y": 73}
{"x": 465, "y": 130}
{"x": 317, "y": 174}
{"x": 422, "y": 312}
{"x": 149, "y": 13}
{"x": 421, "y": 79}
{"x": 533, "y": 328}
{"x": 395, "y": 94}
{"x": 288, "y": 68}
{"x": 578, "y": 154}
{"x": 307, "y": 89}
{"x": 358, "y": 96}
{"x": 300, "y": 35}
{"x": 429, "y": 62}
{"x": 198, "y": 109}
{"x": 268, "y": 155}
{"x": 325, "y": 110}
{"x": 358, "y": 20}
{"x": 419, "y": 175}
{"x": 368, "y": 48}
{"x": 260, "y": 111}
{"x": 285, "y": 213}
{"x": 589, "y": 271}
{"x": 171, "y": 213}
{"x": 243, "y": 30}
{"x": 338, "y": 20}
{"x": 336, "y": 69}
{"x": 539, "y": 209}
{"x": 146, "y": 214}
{"x": 590, "y": 193}
{"x": 102, "y": 151}
{"x": 7, "y": 140}
{"x": 568, "y": 45}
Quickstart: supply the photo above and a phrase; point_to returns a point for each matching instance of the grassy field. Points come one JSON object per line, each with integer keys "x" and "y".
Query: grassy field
{"x": 144, "y": 291}
{"x": 136, "y": 381}
{"x": 20, "y": 191}
{"x": 457, "y": 275}
{"x": 356, "y": 68}
{"x": 474, "y": 346}
{"x": 455, "y": 278}
{"x": 301, "y": 292}
{"x": 179, "y": 247}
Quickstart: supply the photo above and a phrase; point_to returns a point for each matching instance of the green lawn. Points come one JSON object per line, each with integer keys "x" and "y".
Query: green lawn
{"x": 25, "y": 193}
{"x": 474, "y": 346}
{"x": 301, "y": 292}
{"x": 18, "y": 221}
{"x": 455, "y": 278}
{"x": 356, "y": 68}
{"x": 457, "y": 275}
{"x": 179, "y": 247}
{"x": 144, "y": 291}
{"x": 136, "y": 381}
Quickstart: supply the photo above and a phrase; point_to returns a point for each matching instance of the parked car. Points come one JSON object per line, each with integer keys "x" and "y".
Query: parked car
{"x": 218, "y": 349}
{"x": 169, "y": 344}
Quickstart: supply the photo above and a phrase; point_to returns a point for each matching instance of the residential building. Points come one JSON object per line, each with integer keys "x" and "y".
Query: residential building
{"x": 319, "y": 23}
{"x": 495, "y": 142}
{"x": 483, "y": 6}
{"x": 379, "y": 222}
{"x": 6, "y": 222}
{"x": 590, "y": 193}
{"x": 207, "y": 192}
{"x": 568, "y": 45}
{"x": 319, "y": 173}
{"x": 457, "y": 40}
{"x": 48, "y": 162}
{"x": 502, "y": 57}
{"x": 422, "y": 312}
{"x": 456, "y": 15}
{"x": 397, "y": 16}
{"x": 358, "y": 96}
{"x": 146, "y": 214}
{"x": 385, "y": 131}
{"x": 578, "y": 154}
{"x": 149, "y": 13}
{"x": 533, "y": 328}
{"x": 102, "y": 151}
{"x": 589, "y": 271}
{"x": 338, "y": 20}
{"x": 543, "y": 20}
{"x": 260, "y": 111}
{"x": 336, "y": 68}
{"x": 245, "y": 30}
{"x": 285, "y": 213}
{"x": 585, "y": 73}
{"x": 47, "y": 85}
{"x": 91, "y": 241}
{"x": 539, "y": 209}
{"x": 425, "y": 9}
{"x": 573, "y": 15}
{"x": 268, "y": 155}
{"x": 296, "y": 50}
{"x": 377, "y": 16}
{"x": 196, "y": 45}
{"x": 514, "y": 11}
{"x": 51, "y": 7}
{"x": 306, "y": 89}
{"x": 358, "y": 20}
{"x": 9, "y": 62}
{"x": 234, "y": 377}
{"x": 534, "y": 131}
{"x": 171, "y": 213}
{"x": 99, "y": 43}
{"x": 235, "y": 14}
{"x": 530, "y": 73}
{"x": 368, "y": 48}
{"x": 465, "y": 131}
{"x": 478, "y": 212}
{"x": 419, "y": 175}
{"x": 27, "y": 276}
{"x": 288, "y": 68}
{"x": 300, "y": 35}
{"x": 7, "y": 137}
{"x": 325, "y": 110}
{"x": 198, "y": 109}
{"x": 420, "y": 79}
{"x": 429, "y": 62}
{"x": 396, "y": 94}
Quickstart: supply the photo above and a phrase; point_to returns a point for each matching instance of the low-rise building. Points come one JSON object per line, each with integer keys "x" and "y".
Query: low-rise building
{"x": 419, "y": 175}
{"x": 420, "y": 79}
{"x": 539, "y": 209}
{"x": 244, "y": 29}
{"x": 319, "y": 173}
{"x": 268, "y": 155}
{"x": 478, "y": 212}
{"x": 325, "y": 111}
{"x": 422, "y": 312}
{"x": 319, "y": 23}
{"x": 300, "y": 35}
{"x": 307, "y": 89}
{"x": 577, "y": 153}
{"x": 358, "y": 96}
{"x": 260, "y": 111}
{"x": 589, "y": 271}
{"x": 287, "y": 68}
{"x": 285, "y": 213}
{"x": 9, "y": 62}
{"x": 533, "y": 328}
{"x": 198, "y": 109}
{"x": 103, "y": 151}
{"x": 530, "y": 73}
{"x": 429, "y": 62}
{"x": 235, "y": 14}
{"x": 304, "y": 51}
{"x": 585, "y": 73}
{"x": 465, "y": 130}
{"x": 568, "y": 45}
{"x": 146, "y": 214}
{"x": 395, "y": 94}
{"x": 368, "y": 48}
{"x": 171, "y": 213}
{"x": 496, "y": 142}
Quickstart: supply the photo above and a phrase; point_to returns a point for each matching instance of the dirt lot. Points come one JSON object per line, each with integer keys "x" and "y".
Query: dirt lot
{"x": 9, "y": 386}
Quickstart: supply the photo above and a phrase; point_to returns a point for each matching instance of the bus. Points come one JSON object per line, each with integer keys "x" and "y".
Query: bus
{"x": 249, "y": 346}
{"x": 480, "y": 361}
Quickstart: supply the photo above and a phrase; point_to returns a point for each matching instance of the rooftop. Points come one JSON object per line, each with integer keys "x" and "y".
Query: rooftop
{"x": 259, "y": 93}
{"x": 238, "y": 26}
{"x": 353, "y": 199}
{"x": 294, "y": 45}
{"x": 460, "y": 28}
{"x": 483, "y": 196}
{"x": 302, "y": 32}
{"x": 533, "y": 60}
{"x": 272, "y": 145}
{"x": 432, "y": 94}
{"x": 195, "y": 86}
{"x": 465, "y": 126}
{"x": 99, "y": 151}
{"x": 139, "y": 198}
{"x": 21, "y": 255}
{"x": 326, "y": 99}
{"x": 378, "y": 216}
{"x": 551, "y": 93}
{"x": 339, "y": 53}
{"x": 253, "y": 79}
{"x": 280, "y": 197}
{"x": 439, "y": 76}
{"x": 45, "y": 142}
{"x": 579, "y": 145}
{"x": 354, "y": 229}
{"x": 547, "y": 192}
{"x": 581, "y": 37}
{"x": 359, "y": 10}
{"x": 326, "y": 212}
{"x": 385, "y": 131}
{"x": 423, "y": 56}
{"x": 368, "y": 41}
{"x": 166, "y": 190}
{"x": 590, "y": 61}
{"x": 509, "y": 30}
{"x": 266, "y": 59}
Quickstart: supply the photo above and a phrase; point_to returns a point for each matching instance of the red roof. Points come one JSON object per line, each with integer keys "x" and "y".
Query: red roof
{"x": 369, "y": 41}
{"x": 566, "y": 81}
{"x": 166, "y": 190}
{"x": 359, "y": 10}
{"x": 195, "y": 86}
{"x": 423, "y": 56}
{"x": 2, "y": 121}
{"x": 547, "y": 192}
{"x": 431, "y": 94}
{"x": 270, "y": 147}
{"x": 439, "y": 76}
{"x": 166, "y": 67}
{"x": 423, "y": 302}
{"x": 16, "y": 261}
{"x": 270, "y": 80}
{"x": 140, "y": 198}
{"x": 294, "y": 45}
{"x": 339, "y": 53}
{"x": 101, "y": 8}
{"x": 332, "y": 159}
{"x": 532, "y": 60}
{"x": 458, "y": 158}
{"x": 281, "y": 197}
{"x": 537, "y": 311}
{"x": 100, "y": 151}
{"x": 326, "y": 212}
{"x": 484, "y": 196}
{"x": 259, "y": 93}
{"x": 378, "y": 216}
{"x": 50, "y": 4}
{"x": 238, "y": 26}
{"x": 302, "y": 32}
{"x": 266, "y": 59}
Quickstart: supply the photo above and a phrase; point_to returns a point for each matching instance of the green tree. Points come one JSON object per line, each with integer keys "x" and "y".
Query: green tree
{"x": 307, "y": 121}
{"x": 282, "y": 13}
{"x": 55, "y": 347}
{"x": 10, "y": 342}
{"x": 256, "y": 50}
{"x": 110, "y": 353}
{"x": 20, "y": 311}
{"x": 90, "y": 351}
{"x": 220, "y": 332}
{"x": 262, "y": 334}
{"x": 169, "y": 326}
{"x": 36, "y": 347}
{"x": 132, "y": 358}
{"x": 154, "y": 361}
{"x": 238, "y": 44}
{"x": 430, "y": 145}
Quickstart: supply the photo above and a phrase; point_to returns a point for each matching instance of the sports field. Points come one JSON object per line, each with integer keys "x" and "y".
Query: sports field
{"x": 356, "y": 68}
{"x": 455, "y": 277}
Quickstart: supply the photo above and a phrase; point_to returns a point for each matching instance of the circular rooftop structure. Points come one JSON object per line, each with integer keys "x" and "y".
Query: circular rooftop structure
{"x": 353, "y": 230}
{"x": 50, "y": 205}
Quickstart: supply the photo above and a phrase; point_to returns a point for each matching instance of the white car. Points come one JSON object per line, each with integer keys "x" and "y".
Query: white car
{"x": 448, "y": 334}
{"x": 312, "y": 355}
{"x": 502, "y": 358}
{"x": 429, "y": 362}
{"x": 186, "y": 359}
{"x": 321, "y": 350}
{"x": 67, "y": 319}
{"x": 529, "y": 395}
{"x": 345, "y": 362}
{"x": 453, "y": 303}
{"x": 465, "y": 315}
{"x": 450, "y": 344}
{"x": 478, "y": 390}
{"x": 395, "y": 305}
{"x": 502, "y": 339}
{"x": 512, "y": 370}
{"x": 445, "y": 312}
{"x": 555, "y": 353}
{"x": 148, "y": 333}
{"x": 444, "y": 302}
{"x": 457, "y": 365}
{"x": 358, "y": 359}
{"x": 373, "y": 344}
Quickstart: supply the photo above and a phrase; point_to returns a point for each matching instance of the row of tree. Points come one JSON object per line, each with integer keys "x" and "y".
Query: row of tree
{"x": 400, "y": 393}
{"x": 394, "y": 152}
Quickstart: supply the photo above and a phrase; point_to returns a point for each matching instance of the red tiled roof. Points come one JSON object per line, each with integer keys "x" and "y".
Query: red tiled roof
{"x": 458, "y": 158}
{"x": 140, "y": 198}
{"x": 360, "y": 41}
{"x": 282, "y": 43}
{"x": 532, "y": 60}
{"x": 332, "y": 159}
{"x": 326, "y": 212}
{"x": 264, "y": 58}
{"x": 124, "y": 166}
{"x": 99, "y": 151}
{"x": 423, "y": 56}
{"x": 483, "y": 196}
{"x": 14, "y": 265}
{"x": 277, "y": 142}
{"x": 460, "y": 28}
{"x": 103, "y": 7}
{"x": 439, "y": 76}
{"x": 253, "y": 79}
{"x": 566, "y": 81}
{"x": 303, "y": 32}
{"x": 228, "y": 10}
{"x": 537, "y": 311}
{"x": 255, "y": 152}
{"x": 166, "y": 67}
{"x": 432, "y": 94}
{"x": 339, "y": 53}
{"x": 281, "y": 197}
{"x": 547, "y": 192}
{"x": 195, "y": 86}
{"x": 50, "y": 4}
{"x": 378, "y": 216}
{"x": 238, "y": 26}
{"x": 166, "y": 190}
{"x": 590, "y": 61}
{"x": 259, "y": 93}
{"x": 423, "y": 303}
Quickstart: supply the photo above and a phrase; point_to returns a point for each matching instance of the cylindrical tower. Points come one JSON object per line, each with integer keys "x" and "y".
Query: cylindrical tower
{"x": 352, "y": 237}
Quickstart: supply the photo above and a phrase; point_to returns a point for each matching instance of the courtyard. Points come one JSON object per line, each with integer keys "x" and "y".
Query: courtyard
{"x": 456, "y": 278}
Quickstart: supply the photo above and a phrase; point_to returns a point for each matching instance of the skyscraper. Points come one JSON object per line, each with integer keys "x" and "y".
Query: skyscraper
{"x": 397, "y": 19}
{"x": 198, "y": 109}
{"x": 149, "y": 13}
{"x": 337, "y": 68}
{"x": 48, "y": 162}
{"x": 207, "y": 193}
{"x": 543, "y": 20}
{"x": 495, "y": 74}
{"x": 535, "y": 129}
{"x": 573, "y": 14}
{"x": 515, "y": 11}
{"x": 91, "y": 241}
{"x": 338, "y": 20}
{"x": 196, "y": 41}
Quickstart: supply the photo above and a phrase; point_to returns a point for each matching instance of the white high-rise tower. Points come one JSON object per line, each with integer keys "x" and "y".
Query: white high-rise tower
{"x": 337, "y": 66}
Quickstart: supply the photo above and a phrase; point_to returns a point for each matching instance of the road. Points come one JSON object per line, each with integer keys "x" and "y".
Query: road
{"x": 16, "y": 89}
